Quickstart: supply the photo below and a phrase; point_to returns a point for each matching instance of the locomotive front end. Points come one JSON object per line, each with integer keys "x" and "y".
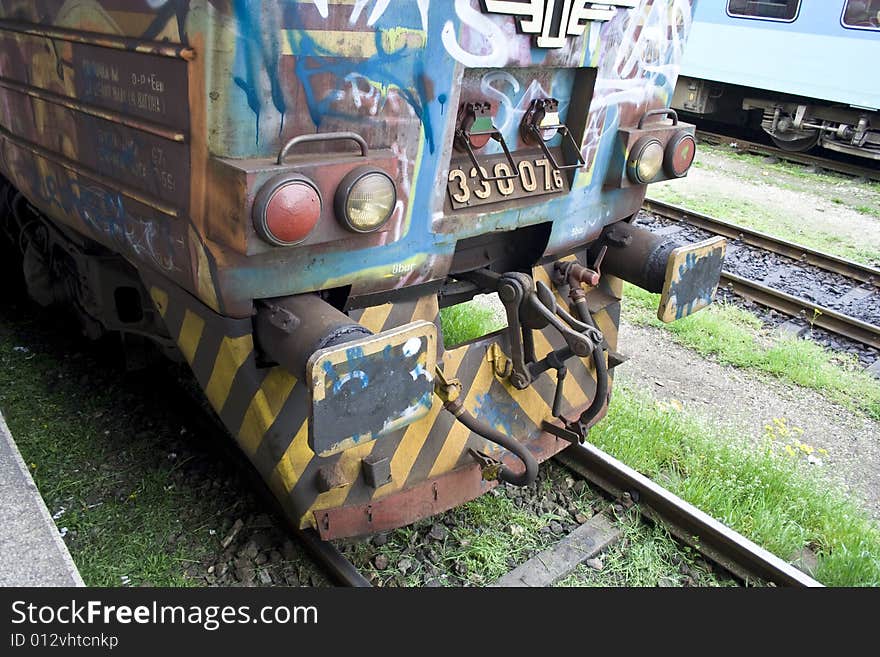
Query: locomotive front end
{"x": 358, "y": 166}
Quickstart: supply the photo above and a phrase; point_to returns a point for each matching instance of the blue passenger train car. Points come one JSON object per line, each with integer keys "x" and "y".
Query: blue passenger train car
{"x": 805, "y": 70}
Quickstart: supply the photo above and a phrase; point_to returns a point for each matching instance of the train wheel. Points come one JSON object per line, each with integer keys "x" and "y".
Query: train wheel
{"x": 797, "y": 144}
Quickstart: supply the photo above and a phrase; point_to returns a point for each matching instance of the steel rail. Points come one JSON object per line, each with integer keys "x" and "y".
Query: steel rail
{"x": 823, "y": 317}
{"x": 719, "y": 543}
{"x": 826, "y": 261}
{"x": 336, "y": 564}
{"x": 800, "y": 158}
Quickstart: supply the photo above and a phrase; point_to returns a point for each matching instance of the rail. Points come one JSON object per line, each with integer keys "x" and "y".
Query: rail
{"x": 855, "y": 170}
{"x": 724, "y": 546}
{"x": 818, "y": 315}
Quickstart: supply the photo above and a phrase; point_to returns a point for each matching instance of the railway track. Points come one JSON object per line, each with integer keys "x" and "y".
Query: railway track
{"x": 719, "y": 544}
{"x": 745, "y": 146}
{"x": 795, "y": 306}
{"x": 725, "y": 547}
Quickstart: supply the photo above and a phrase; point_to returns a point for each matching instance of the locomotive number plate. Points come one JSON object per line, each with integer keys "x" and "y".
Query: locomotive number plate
{"x": 535, "y": 176}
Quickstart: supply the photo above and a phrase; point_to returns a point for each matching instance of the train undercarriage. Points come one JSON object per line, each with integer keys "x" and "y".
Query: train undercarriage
{"x": 793, "y": 123}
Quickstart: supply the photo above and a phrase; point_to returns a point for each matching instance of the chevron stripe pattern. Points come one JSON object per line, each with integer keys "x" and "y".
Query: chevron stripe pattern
{"x": 267, "y": 409}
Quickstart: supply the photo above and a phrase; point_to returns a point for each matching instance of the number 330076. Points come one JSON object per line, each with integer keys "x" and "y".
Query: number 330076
{"x": 535, "y": 177}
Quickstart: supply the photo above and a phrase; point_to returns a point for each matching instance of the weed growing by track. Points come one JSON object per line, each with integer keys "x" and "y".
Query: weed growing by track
{"x": 470, "y": 320}
{"x": 477, "y": 543}
{"x": 733, "y": 336}
{"x": 759, "y": 492}
{"x": 647, "y": 556}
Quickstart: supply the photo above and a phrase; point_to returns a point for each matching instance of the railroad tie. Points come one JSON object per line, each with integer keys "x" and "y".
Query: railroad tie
{"x": 554, "y": 563}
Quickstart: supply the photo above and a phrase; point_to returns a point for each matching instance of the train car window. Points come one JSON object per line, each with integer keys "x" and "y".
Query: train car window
{"x": 862, "y": 14}
{"x": 773, "y": 10}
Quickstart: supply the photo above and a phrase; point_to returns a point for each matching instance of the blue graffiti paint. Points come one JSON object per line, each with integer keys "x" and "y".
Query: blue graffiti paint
{"x": 105, "y": 213}
{"x": 577, "y": 213}
{"x": 500, "y": 413}
{"x": 402, "y": 69}
{"x": 258, "y": 52}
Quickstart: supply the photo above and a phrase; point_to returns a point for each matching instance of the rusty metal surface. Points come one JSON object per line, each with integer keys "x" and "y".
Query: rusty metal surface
{"x": 150, "y": 127}
{"x": 692, "y": 277}
{"x": 730, "y": 549}
{"x": 267, "y": 408}
{"x": 537, "y": 178}
{"x": 103, "y": 40}
{"x": 426, "y": 499}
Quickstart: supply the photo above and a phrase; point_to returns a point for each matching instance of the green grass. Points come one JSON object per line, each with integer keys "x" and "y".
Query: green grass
{"x": 759, "y": 217}
{"x": 467, "y": 321}
{"x": 647, "y": 556}
{"x": 761, "y": 492}
{"x": 115, "y": 518}
{"x": 135, "y": 486}
{"x": 858, "y": 196}
{"x": 500, "y": 530}
{"x": 735, "y": 337}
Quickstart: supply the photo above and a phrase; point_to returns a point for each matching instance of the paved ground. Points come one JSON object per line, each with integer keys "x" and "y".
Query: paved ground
{"x": 746, "y": 401}
{"x": 31, "y": 550}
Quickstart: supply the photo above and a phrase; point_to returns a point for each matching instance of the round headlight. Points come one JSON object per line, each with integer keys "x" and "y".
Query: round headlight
{"x": 645, "y": 161}
{"x": 365, "y": 200}
{"x": 680, "y": 153}
{"x": 286, "y": 210}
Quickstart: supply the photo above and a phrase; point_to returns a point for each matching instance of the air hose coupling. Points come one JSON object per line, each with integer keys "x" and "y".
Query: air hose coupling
{"x": 449, "y": 391}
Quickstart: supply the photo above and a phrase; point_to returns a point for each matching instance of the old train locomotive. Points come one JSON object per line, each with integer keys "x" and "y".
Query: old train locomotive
{"x": 284, "y": 194}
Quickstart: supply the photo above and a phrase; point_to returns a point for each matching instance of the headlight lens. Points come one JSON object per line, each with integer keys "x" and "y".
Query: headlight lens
{"x": 286, "y": 210}
{"x": 365, "y": 200}
{"x": 645, "y": 161}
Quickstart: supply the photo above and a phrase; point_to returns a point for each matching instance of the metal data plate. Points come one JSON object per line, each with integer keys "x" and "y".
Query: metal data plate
{"x": 371, "y": 387}
{"x": 692, "y": 276}
{"x": 537, "y": 177}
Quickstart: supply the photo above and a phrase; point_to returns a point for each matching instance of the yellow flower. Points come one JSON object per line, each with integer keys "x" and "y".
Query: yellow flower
{"x": 790, "y": 451}
{"x": 823, "y": 452}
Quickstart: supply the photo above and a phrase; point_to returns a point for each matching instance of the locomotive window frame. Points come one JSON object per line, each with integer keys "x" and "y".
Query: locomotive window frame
{"x": 797, "y": 13}
{"x": 847, "y": 26}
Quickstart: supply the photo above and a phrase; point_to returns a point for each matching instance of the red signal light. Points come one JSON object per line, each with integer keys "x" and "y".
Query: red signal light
{"x": 680, "y": 154}
{"x": 286, "y": 210}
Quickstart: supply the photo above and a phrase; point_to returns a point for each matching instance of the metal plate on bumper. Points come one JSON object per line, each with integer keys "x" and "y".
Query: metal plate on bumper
{"x": 368, "y": 388}
{"x": 692, "y": 276}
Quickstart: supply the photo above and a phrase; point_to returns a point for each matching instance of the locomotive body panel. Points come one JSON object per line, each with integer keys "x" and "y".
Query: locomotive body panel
{"x": 247, "y": 76}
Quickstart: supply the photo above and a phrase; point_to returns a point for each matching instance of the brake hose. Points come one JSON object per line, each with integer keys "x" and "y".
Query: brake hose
{"x": 600, "y": 364}
{"x": 511, "y": 444}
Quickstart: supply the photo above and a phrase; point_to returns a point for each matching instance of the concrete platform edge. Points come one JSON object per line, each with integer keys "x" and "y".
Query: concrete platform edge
{"x": 63, "y": 554}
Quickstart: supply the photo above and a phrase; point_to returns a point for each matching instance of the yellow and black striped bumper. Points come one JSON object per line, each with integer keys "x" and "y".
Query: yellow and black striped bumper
{"x": 429, "y": 462}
